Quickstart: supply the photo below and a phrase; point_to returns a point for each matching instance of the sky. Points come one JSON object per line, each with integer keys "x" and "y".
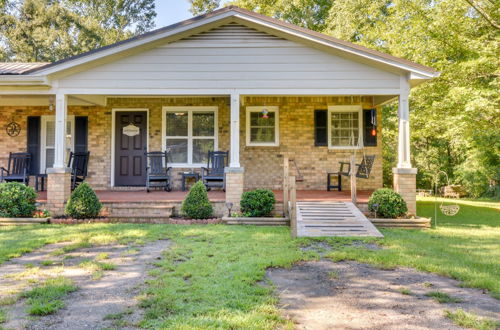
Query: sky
{"x": 171, "y": 11}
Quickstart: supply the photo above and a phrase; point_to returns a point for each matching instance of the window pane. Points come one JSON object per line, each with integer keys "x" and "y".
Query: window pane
{"x": 201, "y": 148}
{"x": 177, "y": 150}
{"x": 203, "y": 123}
{"x": 49, "y": 158}
{"x": 262, "y": 134}
{"x": 177, "y": 123}
{"x": 50, "y": 134}
{"x": 345, "y": 130}
{"x": 256, "y": 119}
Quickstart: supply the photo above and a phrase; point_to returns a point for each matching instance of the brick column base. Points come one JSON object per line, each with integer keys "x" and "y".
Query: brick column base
{"x": 58, "y": 189}
{"x": 405, "y": 183}
{"x": 234, "y": 186}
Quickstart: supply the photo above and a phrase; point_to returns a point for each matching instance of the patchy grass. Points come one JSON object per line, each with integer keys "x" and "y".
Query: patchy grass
{"x": 47, "y": 262}
{"x": 17, "y": 240}
{"x": 7, "y": 301}
{"x": 3, "y": 316}
{"x": 405, "y": 291}
{"x": 334, "y": 275}
{"x": 97, "y": 268}
{"x": 208, "y": 279}
{"x": 465, "y": 247}
{"x": 102, "y": 256}
{"x": 47, "y": 298}
{"x": 442, "y": 297}
{"x": 471, "y": 321}
{"x": 119, "y": 316}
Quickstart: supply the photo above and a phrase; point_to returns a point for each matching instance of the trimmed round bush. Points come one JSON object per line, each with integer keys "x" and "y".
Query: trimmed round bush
{"x": 196, "y": 204}
{"x": 83, "y": 203}
{"x": 387, "y": 203}
{"x": 257, "y": 203}
{"x": 17, "y": 200}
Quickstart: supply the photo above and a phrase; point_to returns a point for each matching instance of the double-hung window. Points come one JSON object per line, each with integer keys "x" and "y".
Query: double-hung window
{"x": 262, "y": 126}
{"x": 345, "y": 127}
{"x": 189, "y": 133}
{"x": 48, "y": 140}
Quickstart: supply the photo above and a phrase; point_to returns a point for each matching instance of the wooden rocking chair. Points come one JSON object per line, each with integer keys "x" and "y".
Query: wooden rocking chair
{"x": 157, "y": 172}
{"x": 78, "y": 162}
{"x": 363, "y": 172}
{"x": 213, "y": 175}
{"x": 17, "y": 169}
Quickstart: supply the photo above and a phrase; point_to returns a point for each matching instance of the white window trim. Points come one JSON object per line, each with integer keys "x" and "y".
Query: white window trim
{"x": 190, "y": 137}
{"x": 43, "y": 137}
{"x": 274, "y": 109}
{"x": 345, "y": 108}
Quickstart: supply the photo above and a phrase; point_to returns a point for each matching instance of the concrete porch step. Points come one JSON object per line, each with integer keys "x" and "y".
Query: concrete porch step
{"x": 139, "y": 219}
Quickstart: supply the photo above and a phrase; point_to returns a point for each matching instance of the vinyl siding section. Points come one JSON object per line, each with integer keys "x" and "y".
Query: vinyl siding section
{"x": 233, "y": 57}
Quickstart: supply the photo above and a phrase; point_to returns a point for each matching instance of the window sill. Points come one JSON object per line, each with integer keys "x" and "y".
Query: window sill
{"x": 344, "y": 148}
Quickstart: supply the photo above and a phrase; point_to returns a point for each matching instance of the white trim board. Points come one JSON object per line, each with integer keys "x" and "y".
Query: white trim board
{"x": 345, "y": 108}
{"x": 113, "y": 126}
{"x": 274, "y": 109}
{"x": 43, "y": 137}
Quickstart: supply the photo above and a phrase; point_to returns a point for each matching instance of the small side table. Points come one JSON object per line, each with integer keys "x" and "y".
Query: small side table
{"x": 186, "y": 176}
{"x": 41, "y": 178}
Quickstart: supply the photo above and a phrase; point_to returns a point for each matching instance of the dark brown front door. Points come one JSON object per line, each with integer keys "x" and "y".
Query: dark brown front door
{"x": 130, "y": 146}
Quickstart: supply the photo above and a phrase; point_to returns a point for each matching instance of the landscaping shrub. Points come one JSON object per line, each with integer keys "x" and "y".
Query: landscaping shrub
{"x": 83, "y": 203}
{"x": 196, "y": 204}
{"x": 257, "y": 203}
{"x": 390, "y": 203}
{"x": 16, "y": 200}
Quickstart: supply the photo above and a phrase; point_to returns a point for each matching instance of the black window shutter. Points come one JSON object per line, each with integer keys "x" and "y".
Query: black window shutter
{"x": 81, "y": 133}
{"x": 370, "y": 124}
{"x": 33, "y": 143}
{"x": 320, "y": 128}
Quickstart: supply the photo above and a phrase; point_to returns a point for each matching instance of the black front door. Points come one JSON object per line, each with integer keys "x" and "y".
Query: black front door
{"x": 130, "y": 146}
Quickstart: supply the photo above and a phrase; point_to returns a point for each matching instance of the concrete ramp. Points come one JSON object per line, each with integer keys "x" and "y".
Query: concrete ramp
{"x": 316, "y": 219}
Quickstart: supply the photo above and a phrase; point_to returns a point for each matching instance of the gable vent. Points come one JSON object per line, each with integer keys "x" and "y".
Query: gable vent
{"x": 233, "y": 32}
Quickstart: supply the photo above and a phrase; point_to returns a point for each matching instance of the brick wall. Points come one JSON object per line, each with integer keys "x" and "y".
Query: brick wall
{"x": 263, "y": 165}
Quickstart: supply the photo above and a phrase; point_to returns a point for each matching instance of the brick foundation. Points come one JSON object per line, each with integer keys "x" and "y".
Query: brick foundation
{"x": 405, "y": 183}
{"x": 235, "y": 178}
{"x": 58, "y": 190}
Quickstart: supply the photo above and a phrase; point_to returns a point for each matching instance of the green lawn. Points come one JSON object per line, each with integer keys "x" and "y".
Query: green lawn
{"x": 208, "y": 278}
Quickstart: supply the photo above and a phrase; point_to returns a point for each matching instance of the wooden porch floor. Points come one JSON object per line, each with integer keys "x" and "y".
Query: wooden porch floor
{"x": 108, "y": 196}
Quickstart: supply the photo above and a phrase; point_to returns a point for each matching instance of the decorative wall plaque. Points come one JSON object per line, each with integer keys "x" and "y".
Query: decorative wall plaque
{"x": 131, "y": 130}
{"x": 13, "y": 129}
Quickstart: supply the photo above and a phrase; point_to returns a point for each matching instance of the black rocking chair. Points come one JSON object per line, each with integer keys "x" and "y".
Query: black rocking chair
{"x": 158, "y": 175}
{"x": 17, "y": 168}
{"x": 78, "y": 162}
{"x": 363, "y": 172}
{"x": 213, "y": 175}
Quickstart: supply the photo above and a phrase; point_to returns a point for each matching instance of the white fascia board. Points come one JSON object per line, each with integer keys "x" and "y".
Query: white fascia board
{"x": 130, "y": 45}
{"x": 337, "y": 46}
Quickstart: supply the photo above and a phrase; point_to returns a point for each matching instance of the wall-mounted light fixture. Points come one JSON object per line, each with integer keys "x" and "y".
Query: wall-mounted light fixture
{"x": 52, "y": 101}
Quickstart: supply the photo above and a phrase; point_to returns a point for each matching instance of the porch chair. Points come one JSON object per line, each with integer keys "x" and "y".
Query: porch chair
{"x": 157, "y": 172}
{"x": 17, "y": 168}
{"x": 363, "y": 172}
{"x": 213, "y": 175}
{"x": 78, "y": 163}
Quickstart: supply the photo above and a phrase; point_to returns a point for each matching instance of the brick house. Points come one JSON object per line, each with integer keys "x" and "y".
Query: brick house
{"x": 230, "y": 80}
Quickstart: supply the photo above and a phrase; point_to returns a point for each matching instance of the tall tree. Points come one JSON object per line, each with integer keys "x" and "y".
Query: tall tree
{"x": 50, "y": 30}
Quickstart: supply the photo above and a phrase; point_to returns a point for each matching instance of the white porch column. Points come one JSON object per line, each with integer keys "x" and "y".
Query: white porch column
{"x": 235, "y": 174}
{"x": 60, "y": 130}
{"x": 59, "y": 176}
{"x": 235, "y": 131}
{"x": 404, "y": 125}
{"x": 404, "y": 175}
